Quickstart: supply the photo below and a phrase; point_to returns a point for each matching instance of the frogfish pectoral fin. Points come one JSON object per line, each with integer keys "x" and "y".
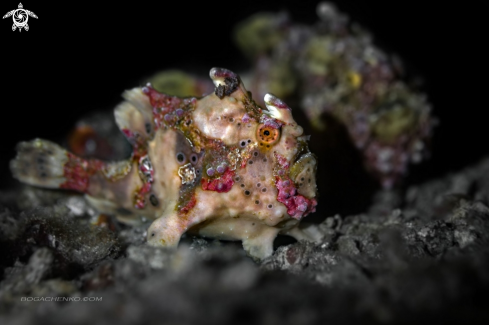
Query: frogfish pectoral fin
{"x": 167, "y": 230}
{"x": 260, "y": 246}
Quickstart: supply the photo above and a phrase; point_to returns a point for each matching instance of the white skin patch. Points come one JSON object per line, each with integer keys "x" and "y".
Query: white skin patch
{"x": 187, "y": 173}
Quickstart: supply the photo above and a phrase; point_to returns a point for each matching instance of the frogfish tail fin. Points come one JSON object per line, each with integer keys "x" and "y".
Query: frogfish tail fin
{"x": 45, "y": 164}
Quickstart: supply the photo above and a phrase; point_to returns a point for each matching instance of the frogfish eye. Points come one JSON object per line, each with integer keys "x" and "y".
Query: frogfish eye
{"x": 267, "y": 135}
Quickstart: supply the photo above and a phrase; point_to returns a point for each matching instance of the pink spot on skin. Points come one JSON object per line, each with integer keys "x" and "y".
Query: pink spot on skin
{"x": 139, "y": 200}
{"x": 146, "y": 171}
{"x": 297, "y": 205}
{"x": 279, "y": 103}
{"x": 246, "y": 118}
{"x": 271, "y": 122}
{"x": 223, "y": 73}
{"x": 138, "y": 145}
{"x": 281, "y": 160}
{"x": 222, "y": 184}
{"x": 77, "y": 172}
{"x": 158, "y": 99}
{"x": 164, "y": 104}
{"x": 189, "y": 206}
{"x": 129, "y": 135}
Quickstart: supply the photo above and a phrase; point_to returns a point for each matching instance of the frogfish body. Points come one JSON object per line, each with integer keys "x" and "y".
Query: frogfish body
{"x": 219, "y": 166}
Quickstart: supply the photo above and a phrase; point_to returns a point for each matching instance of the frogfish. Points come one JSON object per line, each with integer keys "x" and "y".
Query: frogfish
{"x": 219, "y": 166}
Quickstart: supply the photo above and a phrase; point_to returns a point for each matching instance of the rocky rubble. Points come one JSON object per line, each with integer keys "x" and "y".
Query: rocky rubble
{"x": 416, "y": 256}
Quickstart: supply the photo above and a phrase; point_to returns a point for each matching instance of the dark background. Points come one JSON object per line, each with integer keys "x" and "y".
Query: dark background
{"x": 80, "y": 57}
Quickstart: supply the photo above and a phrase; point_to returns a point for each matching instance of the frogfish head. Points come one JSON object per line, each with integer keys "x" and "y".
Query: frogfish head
{"x": 270, "y": 145}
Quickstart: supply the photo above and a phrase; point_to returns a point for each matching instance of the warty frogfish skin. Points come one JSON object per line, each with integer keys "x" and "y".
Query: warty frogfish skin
{"x": 219, "y": 166}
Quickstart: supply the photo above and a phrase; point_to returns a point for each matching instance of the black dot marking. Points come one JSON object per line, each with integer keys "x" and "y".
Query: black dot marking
{"x": 231, "y": 119}
{"x": 242, "y": 185}
{"x": 264, "y": 189}
{"x": 243, "y": 143}
{"x": 300, "y": 184}
{"x": 148, "y": 128}
{"x": 270, "y": 206}
{"x": 258, "y": 184}
{"x": 257, "y": 202}
{"x": 249, "y": 140}
{"x": 255, "y": 153}
{"x": 239, "y": 124}
{"x": 250, "y": 162}
{"x": 253, "y": 224}
{"x": 189, "y": 122}
{"x": 152, "y": 234}
{"x": 247, "y": 192}
{"x": 309, "y": 180}
{"x": 264, "y": 159}
{"x": 153, "y": 200}
{"x": 180, "y": 157}
{"x": 197, "y": 171}
{"x": 266, "y": 132}
{"x": 302, "y": 178}
{"x": 268, "y": 146}
{"x": 261, "y": 144}
{"x": 193, "y": 158}
{"x": 237, "y": 178}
